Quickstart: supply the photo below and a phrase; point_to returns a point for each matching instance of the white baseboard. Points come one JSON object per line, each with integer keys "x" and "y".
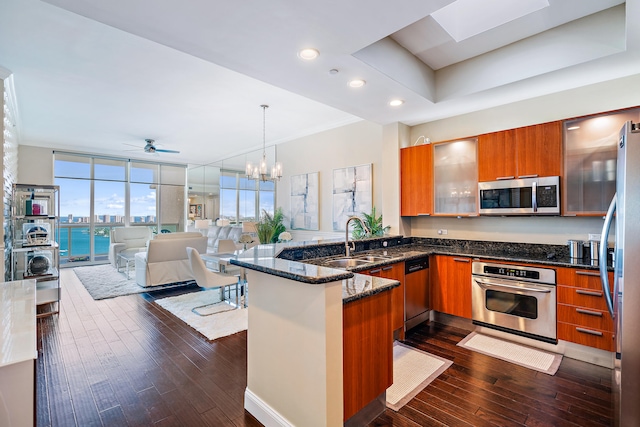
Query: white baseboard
{"x": 263, "y": 412}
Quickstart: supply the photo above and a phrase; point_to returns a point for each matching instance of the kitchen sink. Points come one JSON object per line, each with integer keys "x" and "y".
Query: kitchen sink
{"x": 373, "y": 258}
{"x": 346, "y": 262}
{"x": 355, "y": 261}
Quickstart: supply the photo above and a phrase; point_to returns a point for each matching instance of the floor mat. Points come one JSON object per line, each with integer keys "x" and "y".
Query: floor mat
{"x": 519, "y": 354}
{"x": 413, "y": 370}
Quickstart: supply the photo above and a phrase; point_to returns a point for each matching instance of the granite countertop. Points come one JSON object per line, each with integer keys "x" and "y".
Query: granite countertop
{"x": 305, "y": 262}
{"x": 354, "y": 286}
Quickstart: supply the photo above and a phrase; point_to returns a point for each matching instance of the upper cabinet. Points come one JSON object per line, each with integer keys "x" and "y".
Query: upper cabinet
{"x": 455, "y": 177}
{"x": 590, "y": 156}
{"x": 416, "y": 180}
{"x": 521, "y": 153}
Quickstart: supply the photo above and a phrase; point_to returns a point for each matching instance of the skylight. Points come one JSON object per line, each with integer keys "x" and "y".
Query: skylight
{"x": 466, "y": 18}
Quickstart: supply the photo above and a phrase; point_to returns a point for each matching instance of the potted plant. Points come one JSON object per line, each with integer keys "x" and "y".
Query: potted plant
{"x": 270, "y": 226}
{"x": 373, "y": 223}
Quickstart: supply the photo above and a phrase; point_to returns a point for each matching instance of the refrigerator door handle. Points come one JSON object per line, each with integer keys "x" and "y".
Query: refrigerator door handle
{"x": 604, "y": 238}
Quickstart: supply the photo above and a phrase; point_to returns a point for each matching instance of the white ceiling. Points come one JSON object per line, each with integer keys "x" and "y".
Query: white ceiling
{"x": 94, "y": 76}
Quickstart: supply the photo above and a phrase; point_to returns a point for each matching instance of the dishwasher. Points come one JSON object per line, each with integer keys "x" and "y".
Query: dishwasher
{"x": 416, "y": 292}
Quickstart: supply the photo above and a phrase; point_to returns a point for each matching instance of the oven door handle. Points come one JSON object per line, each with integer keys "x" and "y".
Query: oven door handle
{"x": 517, "y": 288}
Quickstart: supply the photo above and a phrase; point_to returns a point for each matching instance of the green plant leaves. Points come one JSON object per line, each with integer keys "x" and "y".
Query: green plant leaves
{"x": 373, "y": 223}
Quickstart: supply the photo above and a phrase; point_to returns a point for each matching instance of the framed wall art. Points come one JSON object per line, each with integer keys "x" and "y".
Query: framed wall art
{"x": 352, "y": 193}
{"x": 304, "y": 202}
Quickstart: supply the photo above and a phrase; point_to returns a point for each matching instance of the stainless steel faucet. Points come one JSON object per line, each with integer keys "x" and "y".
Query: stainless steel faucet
{"x": 347, "y": 248}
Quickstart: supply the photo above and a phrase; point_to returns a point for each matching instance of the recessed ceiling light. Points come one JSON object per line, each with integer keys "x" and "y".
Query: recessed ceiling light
{"x": 308, "y": 54}
{"x": 357, "y": 83}
{"x": 396, "y": 102}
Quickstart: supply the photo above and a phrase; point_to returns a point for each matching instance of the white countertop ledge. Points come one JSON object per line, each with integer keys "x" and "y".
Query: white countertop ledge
{"x": 17, "y": 322}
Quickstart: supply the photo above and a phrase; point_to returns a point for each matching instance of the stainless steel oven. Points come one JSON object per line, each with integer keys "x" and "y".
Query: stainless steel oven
{"x": 516, "y": 299}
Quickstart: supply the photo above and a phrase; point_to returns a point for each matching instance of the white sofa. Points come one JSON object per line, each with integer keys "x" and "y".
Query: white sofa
{"x": 128, "y": 238}
{"x": 216, "y": 233}
{"x": 166, "y": 258}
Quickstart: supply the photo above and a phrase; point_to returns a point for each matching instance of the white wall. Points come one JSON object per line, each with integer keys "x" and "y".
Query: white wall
{"x": 35, "y": 165}
{"x": 355, "y": 144}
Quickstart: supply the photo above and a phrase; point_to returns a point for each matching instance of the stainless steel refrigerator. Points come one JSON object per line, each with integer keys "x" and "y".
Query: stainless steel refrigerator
{"x": 624, "y": 305}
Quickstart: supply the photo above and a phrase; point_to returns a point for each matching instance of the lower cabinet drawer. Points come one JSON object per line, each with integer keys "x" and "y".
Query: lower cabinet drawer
{"x": 588, "y": 317}
{"x": 582, "y": 297}
{"x": 586, "y": 336}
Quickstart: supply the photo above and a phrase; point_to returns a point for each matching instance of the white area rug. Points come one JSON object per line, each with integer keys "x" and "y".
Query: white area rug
{"x": 413, "y": 370}
{"x": 519, "y": 354}
{"x": 224, "y": 322}
{"x": 104, "y": 281}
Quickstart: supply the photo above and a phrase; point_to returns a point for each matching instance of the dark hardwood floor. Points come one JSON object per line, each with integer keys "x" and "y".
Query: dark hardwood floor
{"x": 127, "y": 362}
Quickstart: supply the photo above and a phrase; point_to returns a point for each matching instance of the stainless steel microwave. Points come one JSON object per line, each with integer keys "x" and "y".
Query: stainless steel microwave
{"x": 527, "y": 196}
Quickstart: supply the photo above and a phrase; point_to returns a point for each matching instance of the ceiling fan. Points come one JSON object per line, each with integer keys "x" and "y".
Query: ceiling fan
{"x": 151, "y": 148}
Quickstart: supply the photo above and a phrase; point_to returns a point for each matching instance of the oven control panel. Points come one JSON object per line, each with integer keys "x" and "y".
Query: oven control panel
{"x": 530, "y": 274}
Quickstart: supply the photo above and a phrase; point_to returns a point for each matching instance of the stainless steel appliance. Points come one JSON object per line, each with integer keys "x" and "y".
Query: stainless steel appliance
{"x": 626, "y": 289}
{"x": 416, "y": 292}
{"x": 526, "y": 196}
{"x": 516, "y": 299}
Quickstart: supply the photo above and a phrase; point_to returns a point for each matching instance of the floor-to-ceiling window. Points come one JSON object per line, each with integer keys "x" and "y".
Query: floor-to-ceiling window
{"x": 242, "y": 199}
{"x": 99, "y": 193}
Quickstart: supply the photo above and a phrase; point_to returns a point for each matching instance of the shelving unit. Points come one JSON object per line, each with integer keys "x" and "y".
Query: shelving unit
{"x": 35, "y": 252}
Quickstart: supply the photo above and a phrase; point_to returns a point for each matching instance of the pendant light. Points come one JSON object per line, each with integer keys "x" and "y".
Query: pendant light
{"x": 259, "y": 171}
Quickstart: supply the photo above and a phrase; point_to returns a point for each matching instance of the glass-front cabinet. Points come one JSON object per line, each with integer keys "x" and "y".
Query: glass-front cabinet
{"x": 455, "y": 177}
{"x": 35, "y": 236}
{"x": 590, "y": 156}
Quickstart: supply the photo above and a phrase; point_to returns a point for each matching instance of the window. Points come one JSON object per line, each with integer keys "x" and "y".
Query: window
{"x": 242, "y": 199}
{"x": 99, "y": 193}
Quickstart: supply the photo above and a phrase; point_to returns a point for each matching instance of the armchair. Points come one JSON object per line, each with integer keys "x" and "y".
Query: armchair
{"x": 128, "y": 238}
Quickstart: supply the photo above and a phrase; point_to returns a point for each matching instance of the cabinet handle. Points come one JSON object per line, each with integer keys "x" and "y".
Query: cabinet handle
{"x": 589, "y": 331}
{"x": 589, "y": 312}
{"x": 424, "y": 214}
{"x": 387, "y": 268}
{"x": 590, "y": 293}
{"x": 461, "y": 260}
{"x": 501, "y": 178}
{"x": 377, "y": 270}
{"x": 535, "y": 175}
{"x": 588, "y": 273}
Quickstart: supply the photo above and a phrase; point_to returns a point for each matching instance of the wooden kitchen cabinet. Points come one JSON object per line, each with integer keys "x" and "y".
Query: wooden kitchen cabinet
{"x": 583, "y": 317}
{"x": 416, "y": 180}
{"x": 451, "y": 285}
{"x": 395, "y": 272}
{"x": 497, "y": 156}
{"x": 367, "y": 351}
{"x": 524, "y": 152}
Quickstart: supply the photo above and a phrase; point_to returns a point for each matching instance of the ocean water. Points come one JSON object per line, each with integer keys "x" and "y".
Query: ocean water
{"x": 81, "y": 239}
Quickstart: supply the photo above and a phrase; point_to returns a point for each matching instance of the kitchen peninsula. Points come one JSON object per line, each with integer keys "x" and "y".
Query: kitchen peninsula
{"x": 297, "y": 370}
{"x": 297, "y": 353}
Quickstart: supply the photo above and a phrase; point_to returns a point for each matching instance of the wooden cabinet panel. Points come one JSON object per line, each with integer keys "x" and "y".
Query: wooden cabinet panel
{"x": 416, "y": 180}
{"x": 582, "y": 310}
{"x": 451, "y": 285}
{"x": 395, "y": 272}
{"x": 539, "y": 150}
{"x": 589, "y": 317}
{"x": 367, "y": 351}
{"x": 586, "y": 298}
{"x": 523, "y": 152}
{"x": 586, "y": 336}
{"x": 588, "y": 279}
{"x": 497, "y": 156}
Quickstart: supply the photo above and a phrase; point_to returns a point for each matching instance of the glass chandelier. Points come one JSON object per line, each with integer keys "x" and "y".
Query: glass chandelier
{"x": 259, "y": 171}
